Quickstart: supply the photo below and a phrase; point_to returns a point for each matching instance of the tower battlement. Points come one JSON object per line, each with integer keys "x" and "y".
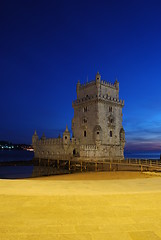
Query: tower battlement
{"x": 98, "y": 97}
{"x": 93, "y": 82}
{"x": 98, "y": 87}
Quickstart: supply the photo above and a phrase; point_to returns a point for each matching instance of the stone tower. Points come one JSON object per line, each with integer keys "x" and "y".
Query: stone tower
{"x": 97, "y": 126}
{"x": 98, "y": 117}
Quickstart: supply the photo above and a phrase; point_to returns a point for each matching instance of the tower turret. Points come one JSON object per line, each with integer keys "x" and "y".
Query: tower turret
{"x": 122, "y": 137}
{"x": 98, "y": 80}
{"x": 35, "y": 138}
{"x": 98, "y": 77}
{"x": 78, "y": 86}
{"x": 66, "y": 136}
{"x": 43, "y": 137}
{"x": 116, "y": 84}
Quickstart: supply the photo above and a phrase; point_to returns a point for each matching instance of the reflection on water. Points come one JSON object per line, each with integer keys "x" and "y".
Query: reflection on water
{"x": 13, "y": 172}
{"x": 16, "y": 171}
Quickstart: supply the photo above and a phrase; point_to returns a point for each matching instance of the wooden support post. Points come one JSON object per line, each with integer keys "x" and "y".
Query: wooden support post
{"x": 81, "y": 166}
{"x": 57, "y": 164}
{"x": 39, "y": 161}
{"x": 48, "y": 168}
{"x": 96, "y": 167}
{"x": 74, "y": 166}
{"x": 85, "y": 166}
{"x": 69, "y": 165}
{"x": 141, "y": 168}
{"x": 110, "y": 166}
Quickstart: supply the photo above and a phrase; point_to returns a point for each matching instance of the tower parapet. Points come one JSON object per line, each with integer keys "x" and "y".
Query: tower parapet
{"x": 96, "y": 87}
{"x": 93, "y": 82}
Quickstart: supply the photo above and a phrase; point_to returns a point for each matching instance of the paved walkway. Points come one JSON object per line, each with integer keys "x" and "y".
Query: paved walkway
{"x": 127, "y": 209}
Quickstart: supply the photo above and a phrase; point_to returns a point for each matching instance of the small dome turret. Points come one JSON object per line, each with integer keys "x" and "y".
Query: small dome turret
{"x": 66, "y": 130}
{"x": 35, "y": 133}
{"x": 35, "y": 138}
{"x": 122, "y": 135}
{"x": 78, "y": 88}
{"x": 98, "y": 77}
{"x": 43, "y": 137}
{"x": 116, "y": 84}
{"x": 66, "y": 136}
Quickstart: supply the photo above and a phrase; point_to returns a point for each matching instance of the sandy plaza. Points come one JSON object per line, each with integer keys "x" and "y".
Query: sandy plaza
{"x": 107, "y": 205}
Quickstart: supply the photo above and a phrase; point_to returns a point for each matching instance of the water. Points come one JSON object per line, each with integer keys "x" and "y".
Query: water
{"x": 142, "y": 155}
{"x": 15, "y": 155}
{"x": 14, "y": 172}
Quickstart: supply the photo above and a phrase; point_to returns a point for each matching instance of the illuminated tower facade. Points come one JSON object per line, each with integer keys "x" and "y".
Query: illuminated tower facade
{"x": 97, "y": 121}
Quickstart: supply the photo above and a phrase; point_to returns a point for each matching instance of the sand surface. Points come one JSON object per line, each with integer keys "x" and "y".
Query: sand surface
{"x": 86, "y": 209}
{"x": 97, "y": 176}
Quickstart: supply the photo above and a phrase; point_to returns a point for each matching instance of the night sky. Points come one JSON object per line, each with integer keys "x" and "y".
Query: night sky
{"x": 46, "y": 46}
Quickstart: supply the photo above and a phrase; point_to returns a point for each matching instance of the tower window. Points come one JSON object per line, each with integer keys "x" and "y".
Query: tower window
{"x": 110, "y": 133}
{"x": 84, "y": 120}
{"x": 65, "y": 137}
{"x": 110, "y": 109}
{"x": 97, "y": 133}
{"x": 85, "y": 109}
{"x": 85, "y": 133}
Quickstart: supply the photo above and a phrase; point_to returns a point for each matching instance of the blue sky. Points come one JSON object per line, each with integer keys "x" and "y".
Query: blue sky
{"x": 46, "y": 46}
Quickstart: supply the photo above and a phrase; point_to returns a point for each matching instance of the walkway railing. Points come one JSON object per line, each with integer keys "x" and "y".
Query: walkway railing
{"x": 74, "y": 164}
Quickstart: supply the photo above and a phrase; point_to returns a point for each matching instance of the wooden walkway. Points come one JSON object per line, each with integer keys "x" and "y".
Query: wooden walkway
{"x": 47, "y": 166}
{"x": 82, "y": 165}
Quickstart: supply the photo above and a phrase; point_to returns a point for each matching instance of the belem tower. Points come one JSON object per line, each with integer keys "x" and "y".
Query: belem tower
{"x": 97, "y": 131}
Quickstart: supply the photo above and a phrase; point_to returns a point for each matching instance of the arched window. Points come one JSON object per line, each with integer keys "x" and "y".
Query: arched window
{"x": 110, "y": 133}
{"x": 85, "y": 109}
{"x": 84, "y": 120}
{"x": 110, "y": 109}
{"x": 85, "y": 133}
{"x": 74, "y": 152}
